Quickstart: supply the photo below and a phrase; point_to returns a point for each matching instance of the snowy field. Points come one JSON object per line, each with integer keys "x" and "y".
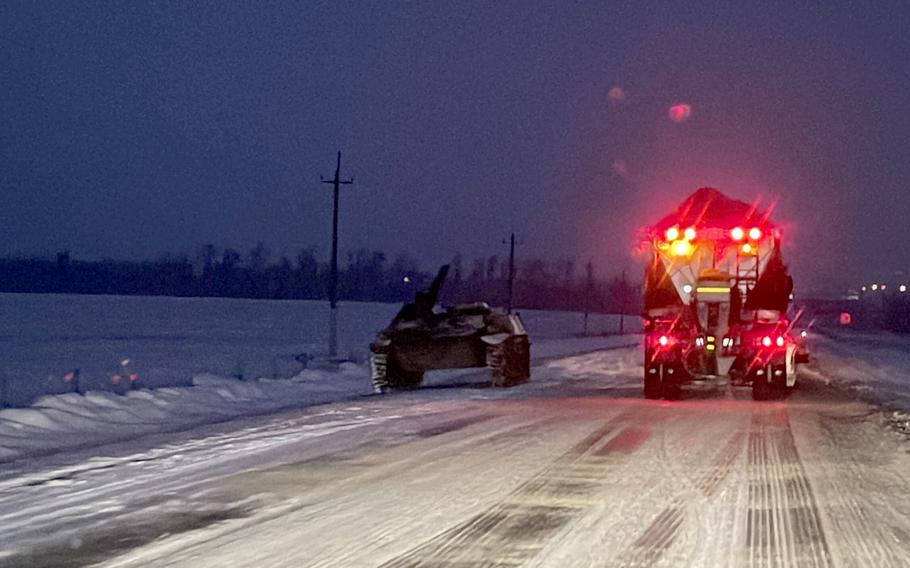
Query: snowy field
{"x": 194, "y": 361}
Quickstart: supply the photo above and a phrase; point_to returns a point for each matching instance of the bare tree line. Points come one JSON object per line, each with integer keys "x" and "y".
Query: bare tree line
{"x": 365, "y": 275}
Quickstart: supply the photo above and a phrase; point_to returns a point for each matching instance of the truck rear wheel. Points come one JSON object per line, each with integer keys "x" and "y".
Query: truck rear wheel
{"x": 653, "y": 387}
{"x": 761, "y": 390}
{"x": 772, "y": 383}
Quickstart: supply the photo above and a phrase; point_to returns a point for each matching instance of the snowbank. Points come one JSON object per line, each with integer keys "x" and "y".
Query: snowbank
{"x": 874, "y": 366}
{"x": 70, "y": 421}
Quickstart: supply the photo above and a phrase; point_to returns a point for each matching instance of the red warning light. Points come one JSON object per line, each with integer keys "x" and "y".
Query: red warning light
{"x": 845, "y": 318}
{"x": 680, "y": 112}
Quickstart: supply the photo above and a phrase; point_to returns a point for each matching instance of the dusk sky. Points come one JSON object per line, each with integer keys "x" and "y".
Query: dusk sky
{"x": 131, "y": 129}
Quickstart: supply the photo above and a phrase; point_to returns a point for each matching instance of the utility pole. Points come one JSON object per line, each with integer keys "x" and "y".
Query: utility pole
{"x": 333, "y": 278}
{"x": 589, "y": 291}
{"x": 511, "y": 271}
{"x": 622, "y": 315}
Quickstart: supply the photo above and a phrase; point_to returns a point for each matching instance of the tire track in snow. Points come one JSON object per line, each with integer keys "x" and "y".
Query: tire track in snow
{"x": 514, "y": 530}
{"x": 783, "y": 524}
{"x": 664, "y": 528}
{"x": 863, "y": 522}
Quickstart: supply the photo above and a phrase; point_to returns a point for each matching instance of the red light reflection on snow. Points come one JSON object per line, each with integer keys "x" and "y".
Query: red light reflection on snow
{"x": 680, "y": 112}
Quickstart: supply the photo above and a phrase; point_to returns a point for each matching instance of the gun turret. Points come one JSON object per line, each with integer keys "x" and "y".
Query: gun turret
{"x": 421, "y": 309}
{"x": 432, "y": 293}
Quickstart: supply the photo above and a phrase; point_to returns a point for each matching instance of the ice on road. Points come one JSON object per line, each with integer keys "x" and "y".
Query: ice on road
{"x": 571, "y": 469}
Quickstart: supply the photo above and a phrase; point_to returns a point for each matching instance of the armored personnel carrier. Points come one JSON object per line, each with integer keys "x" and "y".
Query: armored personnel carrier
{"x": 423, "y": 337}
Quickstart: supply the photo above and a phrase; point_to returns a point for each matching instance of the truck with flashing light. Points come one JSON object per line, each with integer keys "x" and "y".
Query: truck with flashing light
{"x": 716, "y": 299}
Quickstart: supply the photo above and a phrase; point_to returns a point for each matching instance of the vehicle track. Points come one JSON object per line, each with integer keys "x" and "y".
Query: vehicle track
{"x": 783, "y": 522}
{"x": 516, "y": 528}
{"x": 661, "y": 533}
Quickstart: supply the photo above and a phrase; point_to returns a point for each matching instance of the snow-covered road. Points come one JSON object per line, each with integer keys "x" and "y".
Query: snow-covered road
{"x": 572, "y": 469}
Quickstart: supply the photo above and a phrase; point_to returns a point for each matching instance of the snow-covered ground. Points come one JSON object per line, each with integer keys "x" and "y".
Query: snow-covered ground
{"x": 192, "y": 350}
{"x": 571, "y": 469}
{"x": 875, "y": 366}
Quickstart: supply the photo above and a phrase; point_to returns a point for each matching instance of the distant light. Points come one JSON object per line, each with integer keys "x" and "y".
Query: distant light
{"x": 883, "y": 287}
{"x": 672, "y": 233}
{"x": 804, "y": 333}
{"x": 747, "y": 248}
{"x": 863, "y": 288}
{"x": 754, "y": 233}
{"x": 874, "y": 287}
{"x": 616, "y": 95}
{"x": 664, "y": 340}
{"x": 687, "y": 288}
{"x": 125, "y": 362}
{"x": 780, "y": 341}
{"x": 680, "y": 112}
{"x": 737, "y": 233}
{"x": 690, "y": 233}
{"x": 766, "y": 341}
{"x": 406, "y": 279}
{"x": 902, "y": 288}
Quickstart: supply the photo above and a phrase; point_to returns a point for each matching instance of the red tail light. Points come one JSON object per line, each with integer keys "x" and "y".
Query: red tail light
{"x": 768, "y": 341}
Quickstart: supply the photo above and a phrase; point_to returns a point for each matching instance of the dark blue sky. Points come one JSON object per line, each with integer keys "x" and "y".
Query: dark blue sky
{"x": 132, "y": 129}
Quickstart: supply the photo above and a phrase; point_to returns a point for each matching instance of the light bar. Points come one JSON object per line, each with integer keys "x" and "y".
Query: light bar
{"x": 712, "y": 290}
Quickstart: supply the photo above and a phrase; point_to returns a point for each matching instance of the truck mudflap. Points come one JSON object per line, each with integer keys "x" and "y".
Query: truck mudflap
{"x": 664, "y": 379}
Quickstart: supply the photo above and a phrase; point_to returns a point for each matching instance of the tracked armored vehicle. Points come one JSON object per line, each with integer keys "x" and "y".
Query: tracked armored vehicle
{"x": 423, "y": 337}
